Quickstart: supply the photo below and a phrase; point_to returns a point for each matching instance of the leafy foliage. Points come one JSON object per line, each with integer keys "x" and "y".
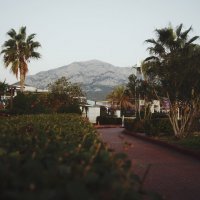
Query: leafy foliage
{"x": 65, "y": 95}
{"x": 141, "y": 90}
{"x": 173, "y": 68}
{"x": 120, "y": 98}
{"x": 30, "y": 103}
{"x": 152, "y": 127}
{"x": 105, "y": 120}
{"x": 60, "y": 157}
{"x": 3, "y": 87}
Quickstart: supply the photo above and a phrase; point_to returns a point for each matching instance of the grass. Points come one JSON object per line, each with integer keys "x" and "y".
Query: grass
{"x": 191, "y": 142}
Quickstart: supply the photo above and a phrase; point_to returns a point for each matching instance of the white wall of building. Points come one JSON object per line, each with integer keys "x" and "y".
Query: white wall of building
{"x": 155, "y": 107}
{"x": 118, "y": 113}
{"x": 93, "y": 113}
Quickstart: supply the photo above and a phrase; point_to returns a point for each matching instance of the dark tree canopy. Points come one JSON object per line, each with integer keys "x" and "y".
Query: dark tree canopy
{"x": 173, "y": 68}
{"x": 174, "y": 63}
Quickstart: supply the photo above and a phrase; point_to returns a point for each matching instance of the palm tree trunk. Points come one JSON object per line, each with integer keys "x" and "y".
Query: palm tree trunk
{"x": 22, "y": 79}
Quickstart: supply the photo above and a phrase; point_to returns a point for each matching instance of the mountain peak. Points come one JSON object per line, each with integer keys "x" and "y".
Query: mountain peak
{"x": 96, "y": 77}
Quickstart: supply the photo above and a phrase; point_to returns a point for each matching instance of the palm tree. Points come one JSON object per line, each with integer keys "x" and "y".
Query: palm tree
{"x": 120, "y": 98}
{"x": 173, "y": 67}
{"x": 17, "y": 52}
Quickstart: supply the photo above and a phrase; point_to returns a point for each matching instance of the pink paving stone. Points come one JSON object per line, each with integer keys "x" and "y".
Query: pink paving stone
{"x": 172, "y": 174}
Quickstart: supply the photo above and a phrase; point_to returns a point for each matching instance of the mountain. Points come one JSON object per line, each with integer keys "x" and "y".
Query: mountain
{"x": 97, "y": 78}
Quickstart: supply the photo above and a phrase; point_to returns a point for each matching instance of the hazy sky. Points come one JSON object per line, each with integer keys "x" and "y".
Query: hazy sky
{"x": 113, "y": 31}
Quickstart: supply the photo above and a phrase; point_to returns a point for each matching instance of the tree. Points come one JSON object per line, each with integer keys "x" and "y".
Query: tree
{"x": 65, "y": 95}
{"x": 3, "y": 87}
{"x": 141, "y": 90}
{"x": 174, "y": 69}
{"x": 17, "y": 52}
{"x": 120, "y": 98}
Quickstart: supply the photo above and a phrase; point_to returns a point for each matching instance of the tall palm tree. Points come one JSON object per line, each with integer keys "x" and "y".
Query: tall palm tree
{"x": 170, "y": 58}
{"x": 173, "y": 66}
{"x": 17, "y": 52}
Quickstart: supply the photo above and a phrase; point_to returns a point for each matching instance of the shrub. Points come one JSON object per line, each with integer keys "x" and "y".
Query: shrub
{"x": 150, "y": 127}
{"x": 60, "y": 157}
{"x": 158, "y": 127}
{"x": 135, "y": 125}
{"x": 128, "y": 123}
{"x": 195, "y": 125}
{"x": 30, "y": 103}
{"x": 37, "y": 103}
{"x": 72, "y": 108}
{"x": 158, "y": 115}
{"x": 106, "y": 120}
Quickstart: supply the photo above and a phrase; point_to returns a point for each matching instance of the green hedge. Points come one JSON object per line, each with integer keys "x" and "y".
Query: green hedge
{"x": 150, "y": 127}
{"x": 158, "y": 127}
{"x": 60, "y": 157}
{"x": 41, "y": 103}
{"x": 106, "y": 120}
{"x": 134, "y": 125}
{"x": 196, "y": 125}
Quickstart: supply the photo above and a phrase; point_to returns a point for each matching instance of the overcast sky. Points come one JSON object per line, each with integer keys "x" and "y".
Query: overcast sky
{"x": 113, "y": 31}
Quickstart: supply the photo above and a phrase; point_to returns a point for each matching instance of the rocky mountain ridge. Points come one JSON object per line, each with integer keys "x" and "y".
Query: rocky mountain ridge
{"x": 97, "y": 78}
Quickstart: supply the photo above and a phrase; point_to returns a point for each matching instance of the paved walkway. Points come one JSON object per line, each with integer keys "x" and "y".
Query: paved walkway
{"x": 174, "y": 175}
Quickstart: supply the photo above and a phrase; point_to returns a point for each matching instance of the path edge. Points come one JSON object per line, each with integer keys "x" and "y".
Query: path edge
{"x": 164, "y": 144}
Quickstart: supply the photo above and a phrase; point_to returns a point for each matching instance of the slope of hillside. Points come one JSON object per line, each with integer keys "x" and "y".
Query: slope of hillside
{"x": 97, "y": 78}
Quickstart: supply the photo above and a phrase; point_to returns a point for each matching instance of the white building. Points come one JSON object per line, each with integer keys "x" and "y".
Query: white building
{"x": 28, "y": 88}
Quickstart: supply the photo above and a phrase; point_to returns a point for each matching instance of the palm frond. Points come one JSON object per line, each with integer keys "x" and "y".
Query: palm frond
{"x": 151, "y": 58}
{"x": 165, "y": 35}
{"x": 15, "y": 68}
{"x": 185, "y": 33}
{"x": 192, "y": 40}
{"x": 178, "y": 30}
{"x": 9, "y": 43}
{"x": 152, "y": 41}
{"x": 12, "y": 33}
{"x": 35, "y": 55}
{"x": 22, "y": 32}
{"x": 35, "y": 45}
{"x": 30, "y": 37}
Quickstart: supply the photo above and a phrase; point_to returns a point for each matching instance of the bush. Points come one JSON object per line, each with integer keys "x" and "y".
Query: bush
{"x": 72, "y": 108}
{"x": 195, "y": 125}
{"x": 37, "y": 103}
{"x": 158, "y": 115}
{"x": 30, "y": 103}
{"x": 106, "y": 120}
{"x": 60, "y": 157}
{"x": 150, "y": 127}
{"x": 158, "y": 127}
{"x": 135, "y": 125}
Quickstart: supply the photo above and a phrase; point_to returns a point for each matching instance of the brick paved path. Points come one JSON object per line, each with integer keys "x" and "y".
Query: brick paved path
{"x": 174, "y": 175}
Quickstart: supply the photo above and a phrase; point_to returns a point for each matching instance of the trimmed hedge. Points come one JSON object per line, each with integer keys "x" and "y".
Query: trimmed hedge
{"x": 134, "y": 125}
{"x": 60, "y": 157}
{"x": 158, "y": 127}
{"x": 106, "y": 120}
{"x": 150, "y": 127}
